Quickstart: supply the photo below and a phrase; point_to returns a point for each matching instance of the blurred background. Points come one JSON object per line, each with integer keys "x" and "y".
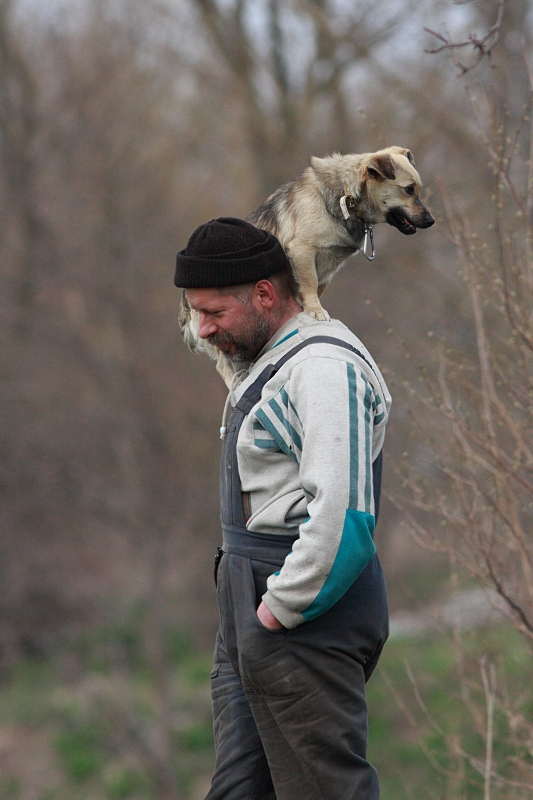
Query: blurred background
{"x": 124, "y": 124}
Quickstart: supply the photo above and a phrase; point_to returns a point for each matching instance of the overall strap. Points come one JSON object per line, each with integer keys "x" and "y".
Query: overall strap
{"x": 253, "y": 393}
{"x": 231, "y": 511}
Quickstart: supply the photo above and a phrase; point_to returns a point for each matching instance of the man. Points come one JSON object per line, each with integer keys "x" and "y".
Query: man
{"x": 301, "y": 594}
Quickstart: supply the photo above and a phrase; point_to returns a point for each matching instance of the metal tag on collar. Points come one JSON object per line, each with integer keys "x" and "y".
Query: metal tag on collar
{"x": 369, "y": 235}
{"x": 347, "y": 204}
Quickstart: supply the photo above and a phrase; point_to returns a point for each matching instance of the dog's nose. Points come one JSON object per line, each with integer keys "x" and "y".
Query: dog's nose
{"x": 426, "y": 221}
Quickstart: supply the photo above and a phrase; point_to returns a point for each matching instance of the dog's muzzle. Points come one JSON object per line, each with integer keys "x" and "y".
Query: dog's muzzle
{"x": 406, "y": 224}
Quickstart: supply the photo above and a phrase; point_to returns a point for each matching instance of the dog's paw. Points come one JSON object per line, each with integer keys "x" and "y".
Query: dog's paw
{"x": 317, "y": 312}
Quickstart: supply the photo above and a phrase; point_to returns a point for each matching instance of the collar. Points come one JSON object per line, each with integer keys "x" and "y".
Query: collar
{"x": 348, "y": 206}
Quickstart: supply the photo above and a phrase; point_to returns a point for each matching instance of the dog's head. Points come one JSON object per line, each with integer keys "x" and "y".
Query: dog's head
{"x": 390, "y": 185}
{"x": 385, "y": 186}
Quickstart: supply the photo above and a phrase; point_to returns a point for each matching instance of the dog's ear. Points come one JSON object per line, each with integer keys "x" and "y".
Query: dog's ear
{"x": 321, "y": 166}
{"x": 381, "y": 168}
{"x": 403, "y": 151}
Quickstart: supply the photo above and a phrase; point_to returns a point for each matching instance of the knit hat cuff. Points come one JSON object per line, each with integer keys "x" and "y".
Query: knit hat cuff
{"x": 246, "y": 263}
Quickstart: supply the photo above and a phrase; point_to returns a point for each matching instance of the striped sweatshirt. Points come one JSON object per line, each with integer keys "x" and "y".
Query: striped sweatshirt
{"x": 305, "y": 454}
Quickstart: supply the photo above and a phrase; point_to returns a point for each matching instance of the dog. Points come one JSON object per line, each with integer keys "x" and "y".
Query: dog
{"x": 324, "y": 216}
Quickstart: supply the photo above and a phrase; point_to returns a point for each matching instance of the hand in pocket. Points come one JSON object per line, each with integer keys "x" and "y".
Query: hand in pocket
{"x": 267, "y": 618}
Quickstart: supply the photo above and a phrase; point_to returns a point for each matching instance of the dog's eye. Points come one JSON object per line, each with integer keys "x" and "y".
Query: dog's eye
{"x": 410, "y": 190}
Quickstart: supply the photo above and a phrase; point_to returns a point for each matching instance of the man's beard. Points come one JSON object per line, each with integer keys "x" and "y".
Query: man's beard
{"x": 256, "y": 333}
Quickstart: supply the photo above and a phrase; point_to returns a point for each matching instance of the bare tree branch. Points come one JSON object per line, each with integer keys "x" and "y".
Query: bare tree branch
{"x": 483, "y": 45}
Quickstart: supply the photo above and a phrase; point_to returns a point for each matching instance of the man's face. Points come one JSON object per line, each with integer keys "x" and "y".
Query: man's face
{"x": 239, "y": 330}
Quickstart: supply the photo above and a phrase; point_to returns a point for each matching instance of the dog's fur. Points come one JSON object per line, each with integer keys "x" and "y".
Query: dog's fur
{"x": 306, "y": 216}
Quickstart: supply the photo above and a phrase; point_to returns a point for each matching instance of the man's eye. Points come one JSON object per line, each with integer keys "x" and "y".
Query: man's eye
{"x": 410, "y": 190}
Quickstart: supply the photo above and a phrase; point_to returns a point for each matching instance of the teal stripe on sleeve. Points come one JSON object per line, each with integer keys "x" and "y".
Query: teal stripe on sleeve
{"x": 360, "y": 451}
{"x": 354, "y": 437}
{"x": 271, "y": 428}
{"x": 284, "y": 397}
{"x": 356, "y": 551}
{"x": 287, "y": 402}
{"x": 286, "y": 424}
{"x": 368, "y": 446}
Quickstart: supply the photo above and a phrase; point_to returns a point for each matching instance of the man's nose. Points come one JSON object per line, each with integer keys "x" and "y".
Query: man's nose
{"x": 207, "y": 326}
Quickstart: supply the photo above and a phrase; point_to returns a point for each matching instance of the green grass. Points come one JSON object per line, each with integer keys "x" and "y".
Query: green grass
{"x": 81, "y": 751}
{"x": 94, "y": 709}
{"x": 122, "y": 782}
{"x": 404, "y": 737}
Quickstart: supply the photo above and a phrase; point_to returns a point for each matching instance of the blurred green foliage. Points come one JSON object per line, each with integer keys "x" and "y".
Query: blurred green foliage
{"x": 95, "y": 701}
{"x": 81, "y": 751}
{"x": 411, "y": 749}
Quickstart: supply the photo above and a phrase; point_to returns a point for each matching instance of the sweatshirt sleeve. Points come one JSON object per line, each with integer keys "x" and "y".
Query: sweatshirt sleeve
{"x": 323, "y": 417}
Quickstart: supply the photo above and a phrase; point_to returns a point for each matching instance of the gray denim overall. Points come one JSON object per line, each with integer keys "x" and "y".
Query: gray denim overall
{"x": 289, "y": 707}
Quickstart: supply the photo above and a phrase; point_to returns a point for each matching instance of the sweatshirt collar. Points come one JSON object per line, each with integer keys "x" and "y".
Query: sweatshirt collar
{"x": 287, "y": 330}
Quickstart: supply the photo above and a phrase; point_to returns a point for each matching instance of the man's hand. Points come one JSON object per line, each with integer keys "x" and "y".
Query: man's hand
{"x": 267, "y": 618}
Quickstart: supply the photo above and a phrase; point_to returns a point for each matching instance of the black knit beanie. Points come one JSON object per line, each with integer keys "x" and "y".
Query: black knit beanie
{"x": 228, "y": 252}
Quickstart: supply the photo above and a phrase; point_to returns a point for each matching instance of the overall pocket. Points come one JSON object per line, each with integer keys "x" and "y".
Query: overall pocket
{"x": 264, "y": 660}
{"x": 218, "y": 557}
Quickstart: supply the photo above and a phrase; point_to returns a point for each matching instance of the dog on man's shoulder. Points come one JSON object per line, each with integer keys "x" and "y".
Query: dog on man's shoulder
{"x": 327, "y": 214}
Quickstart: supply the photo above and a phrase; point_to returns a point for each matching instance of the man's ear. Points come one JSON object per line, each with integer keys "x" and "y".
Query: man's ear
{"x": 264, "y": 293}
{"x": 381, "y": 168}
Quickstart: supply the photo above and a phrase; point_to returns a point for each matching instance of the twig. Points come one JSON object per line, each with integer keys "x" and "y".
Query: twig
{"x": 502, "y": 592}
{"x": 489, "y": 682}
{"x": 483, "y": 46}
